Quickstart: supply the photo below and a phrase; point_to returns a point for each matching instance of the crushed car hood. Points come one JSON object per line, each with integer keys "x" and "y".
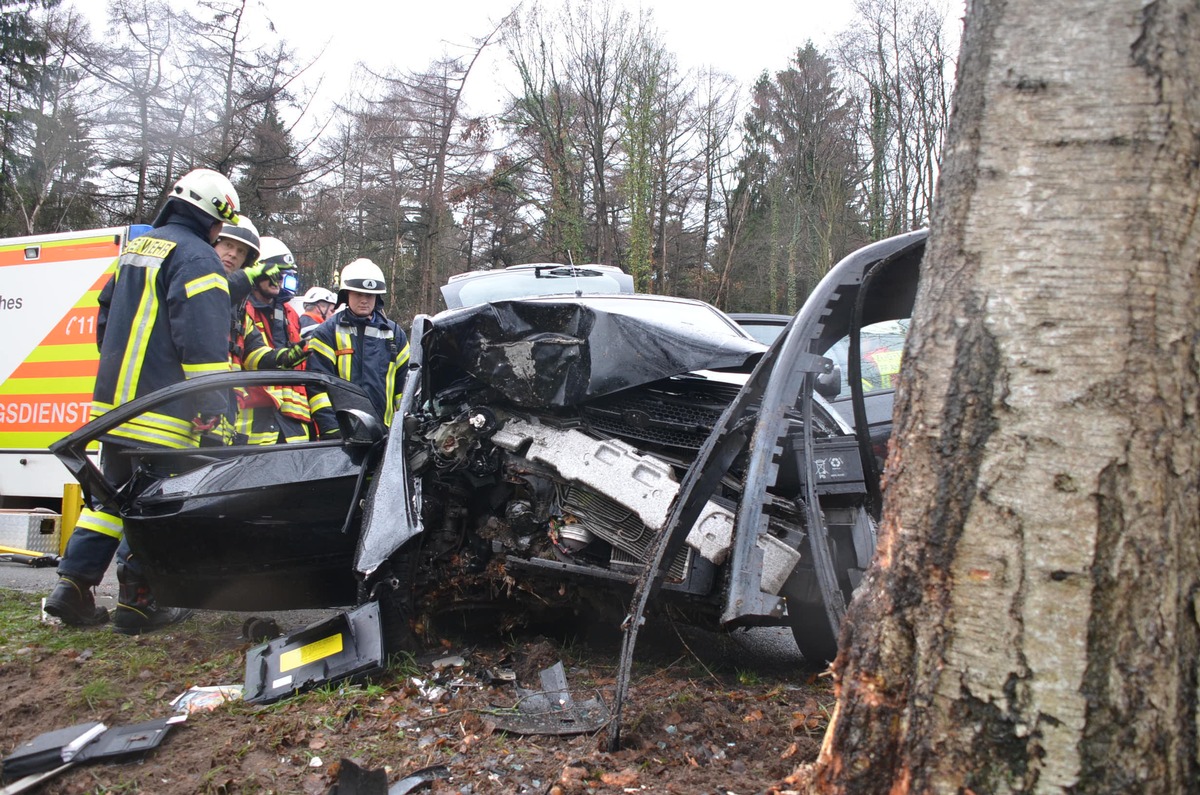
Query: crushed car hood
{"x": 542, "y": 353}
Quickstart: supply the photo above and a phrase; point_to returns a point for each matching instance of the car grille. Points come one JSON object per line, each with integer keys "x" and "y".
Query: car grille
{"x": 630, "y": 538}
{"x": 680, "y": 416}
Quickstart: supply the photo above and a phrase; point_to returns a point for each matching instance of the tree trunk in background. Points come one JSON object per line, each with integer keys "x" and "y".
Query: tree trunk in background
{"x": 1030, "y": 624}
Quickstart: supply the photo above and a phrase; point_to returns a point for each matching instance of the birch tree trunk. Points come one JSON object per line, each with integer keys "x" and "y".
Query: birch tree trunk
{"x": 1030, "y": 624}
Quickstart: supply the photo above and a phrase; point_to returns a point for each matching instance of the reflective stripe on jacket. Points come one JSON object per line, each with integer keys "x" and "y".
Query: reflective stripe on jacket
{"x": 370, "y": 352}
{"x": 163, "y": 319}
{"x": 268, "y": 329}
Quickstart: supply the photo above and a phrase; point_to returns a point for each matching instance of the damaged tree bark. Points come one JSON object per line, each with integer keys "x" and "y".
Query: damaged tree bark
{"x": 1030, "y": 624}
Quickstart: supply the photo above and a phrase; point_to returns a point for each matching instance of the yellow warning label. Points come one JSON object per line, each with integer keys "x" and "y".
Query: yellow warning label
{"x": 317, "y": 650}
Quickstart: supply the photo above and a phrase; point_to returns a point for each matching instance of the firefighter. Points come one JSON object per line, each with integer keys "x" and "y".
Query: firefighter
{"x": 318, "y": 303}
{"x": 360, "y": 344}
{"x": 163, "y": 319}
{"x": 271, "y": 341}
{"x": 237, "y": 245}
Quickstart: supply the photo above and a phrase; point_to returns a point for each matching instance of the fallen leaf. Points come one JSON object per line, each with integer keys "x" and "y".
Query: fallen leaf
{"x": 626, "y": 778}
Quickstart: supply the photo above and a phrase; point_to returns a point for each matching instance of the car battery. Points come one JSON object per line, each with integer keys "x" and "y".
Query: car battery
{"x": 35, "y": 530}
{"x": 836, "y": 463}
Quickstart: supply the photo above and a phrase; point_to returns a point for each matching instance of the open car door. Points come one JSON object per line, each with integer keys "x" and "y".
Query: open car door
{"x": 246, "y": 527}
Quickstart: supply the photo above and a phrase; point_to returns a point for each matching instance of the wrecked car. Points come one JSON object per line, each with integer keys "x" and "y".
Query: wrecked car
{"x": 538, "y": 453}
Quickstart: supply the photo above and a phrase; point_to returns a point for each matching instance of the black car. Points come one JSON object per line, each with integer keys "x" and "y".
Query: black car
{"x": 544, "y": 454}
{"x": 764, "y": 327}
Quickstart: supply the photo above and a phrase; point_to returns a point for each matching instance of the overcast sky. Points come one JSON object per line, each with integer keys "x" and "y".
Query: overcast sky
{"x": 741, "y": 37}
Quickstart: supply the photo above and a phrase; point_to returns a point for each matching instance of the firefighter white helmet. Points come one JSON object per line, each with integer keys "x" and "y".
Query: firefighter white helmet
{"x": 272, "y": 251}
{"x": 209, "y": 191}
{"x": 363, "y": 276}
{"x": 317, "y": 294}
{"x": 245, "y": 232}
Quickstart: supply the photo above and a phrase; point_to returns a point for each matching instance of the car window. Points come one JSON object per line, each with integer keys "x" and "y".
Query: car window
{"x": 882, "y": 347}
{"x": 763, "y": 332}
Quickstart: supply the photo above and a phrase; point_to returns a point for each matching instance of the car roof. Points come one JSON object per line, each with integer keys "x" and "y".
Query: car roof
{"x": 761, "y": 317}
{"x": 535, "y": 278}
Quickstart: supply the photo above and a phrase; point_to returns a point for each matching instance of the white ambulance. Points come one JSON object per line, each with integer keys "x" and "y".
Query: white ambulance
{"x": 49, "y": 285}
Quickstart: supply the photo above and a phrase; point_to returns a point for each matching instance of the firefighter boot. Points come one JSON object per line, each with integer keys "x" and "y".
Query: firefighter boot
{"x": 137, "y": 611}
{"x": 72, "y": 601}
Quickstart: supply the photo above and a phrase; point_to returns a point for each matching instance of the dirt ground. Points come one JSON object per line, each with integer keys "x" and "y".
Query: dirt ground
{"x": 699, "y": 719}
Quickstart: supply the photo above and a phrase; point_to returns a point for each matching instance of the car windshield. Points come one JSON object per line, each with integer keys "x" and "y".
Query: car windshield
{"x": 764, "y": 332}
{"x": 525, "y": 283}
{"x": 881, "y": 348}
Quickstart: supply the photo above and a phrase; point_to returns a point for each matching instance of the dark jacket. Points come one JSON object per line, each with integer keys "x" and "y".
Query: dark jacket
{"x": 310, "y": 319}
{"x": 370, "y": 352}
{"x": 164, "y": 318}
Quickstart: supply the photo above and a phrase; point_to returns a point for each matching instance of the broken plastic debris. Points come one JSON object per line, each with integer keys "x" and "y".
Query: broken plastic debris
{"x": 502, "y": 675}
{"x": 552, "y": 710}
{"x": 455, "y": 661}
{"x": 205, "y": 699}
{"x": 430, "y": 691}
{"x": 355, "y": 780}
{"x": 417, "y": 779}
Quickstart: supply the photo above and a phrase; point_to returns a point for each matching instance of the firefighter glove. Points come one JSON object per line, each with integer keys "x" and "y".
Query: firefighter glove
{"x": 214, "y": 430}
{"x": 292, "y": 355}
{"x": 270, "y": 270}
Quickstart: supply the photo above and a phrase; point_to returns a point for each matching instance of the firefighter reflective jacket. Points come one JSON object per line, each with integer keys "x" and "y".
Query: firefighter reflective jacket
{"x": 367, "y": 351}
{"x": 269, "y": 414}
{"x": 310, "y": 320}
{"x": 164, "y": 318}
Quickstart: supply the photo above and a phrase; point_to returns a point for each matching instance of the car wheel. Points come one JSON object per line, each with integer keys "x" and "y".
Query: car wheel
{"x": 808, "y": 621}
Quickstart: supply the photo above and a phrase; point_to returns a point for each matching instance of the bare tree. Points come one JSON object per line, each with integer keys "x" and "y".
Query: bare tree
{"x": 149, "y": 100}
{"x": 716, "y": 111}
{"x": 543, "y": 122}
{"x": 899, "y": 63}
{"x": 598, "y": 44}
{"x": 241, "y": 124}
{"x": 1030, "y": 622}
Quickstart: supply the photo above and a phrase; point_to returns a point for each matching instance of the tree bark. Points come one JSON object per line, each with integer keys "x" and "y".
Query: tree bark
{"x": 1030, "y": 623}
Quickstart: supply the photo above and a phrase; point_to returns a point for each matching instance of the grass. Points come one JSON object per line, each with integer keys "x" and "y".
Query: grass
{"x": 99, "y": 693}
{"x": 243, "y": 748}
{"x": 747, "y": 678}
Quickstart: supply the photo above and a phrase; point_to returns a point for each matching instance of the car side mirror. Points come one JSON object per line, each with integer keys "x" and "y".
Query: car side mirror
{"x": 829, "y": 385}
{"x": 359, "y": 427}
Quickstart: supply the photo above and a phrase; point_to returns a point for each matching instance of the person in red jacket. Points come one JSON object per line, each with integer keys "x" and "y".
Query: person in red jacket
{"x": 271, "y": 341}
{"x": 318, "y": 303}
